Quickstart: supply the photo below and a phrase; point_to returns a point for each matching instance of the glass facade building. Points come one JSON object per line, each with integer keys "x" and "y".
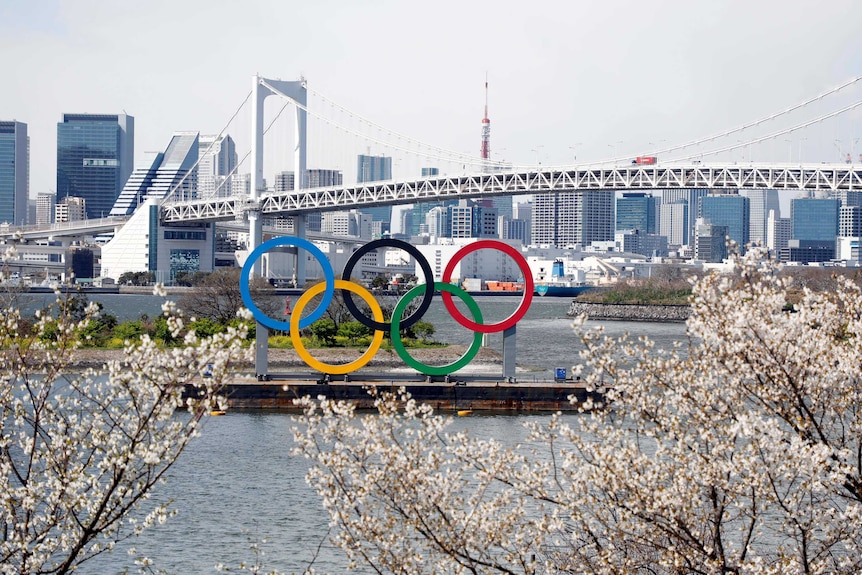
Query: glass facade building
{"x": 14, "y": 172}
{"x": 814, "y": 219}
{"x": 728, "y": 210}
{"x": 636, "y": 211}
{"x": 95, "y": 157}
{"x": 375, "y": 169}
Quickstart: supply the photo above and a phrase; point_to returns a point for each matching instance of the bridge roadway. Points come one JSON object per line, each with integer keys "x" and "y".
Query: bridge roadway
{"x": 804, "y": 177}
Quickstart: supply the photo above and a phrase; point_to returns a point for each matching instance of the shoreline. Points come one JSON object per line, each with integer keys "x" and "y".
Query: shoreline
{"x": 487, "y": 359}
{"x": 660, "y": 313}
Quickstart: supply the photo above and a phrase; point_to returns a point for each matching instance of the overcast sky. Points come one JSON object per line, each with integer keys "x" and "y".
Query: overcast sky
{"x": 595, "y": 76}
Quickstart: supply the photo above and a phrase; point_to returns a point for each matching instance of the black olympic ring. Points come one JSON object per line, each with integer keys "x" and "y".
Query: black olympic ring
{"x": 427, "y": 296}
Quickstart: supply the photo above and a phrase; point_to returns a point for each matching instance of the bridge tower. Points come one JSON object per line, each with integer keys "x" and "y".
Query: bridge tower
{"x": 296, "y": 92}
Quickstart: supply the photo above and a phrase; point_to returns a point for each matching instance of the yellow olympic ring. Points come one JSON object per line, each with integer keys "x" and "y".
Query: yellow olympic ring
{"x": 303, "y": 354}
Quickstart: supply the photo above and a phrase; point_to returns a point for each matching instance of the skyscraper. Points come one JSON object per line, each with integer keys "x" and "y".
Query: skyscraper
{"x": 761, "y": 203}
{"x": 636, "y": 211}
{"x": 728, "y": 210}
{"x": 95, "y": 157}
{"x": 217, "y": 159}
{"x": 375, "y": 169}
{"x": 570, "y": 218}
{"x": 14, "y": 172}
{"x": 814, "y": 219}
{"x": 691, "y": 197}
{"x": 171, "y": 171}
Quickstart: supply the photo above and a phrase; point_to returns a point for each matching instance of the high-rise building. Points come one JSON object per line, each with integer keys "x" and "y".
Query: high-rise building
{"x": 437, "y": 222}
{"x": 346, "y": 223}
{"x": 573, "y": 218}
{"x": 319, "y": 178}
{"x": 95, "y": 157}
{"x": 217, "y": 160}
{"x": 674, "y": 222}
{"x": 761, "y": 202}
{"x": 850, "y": 221}
{"x": 45, "y": 208}
{"x": 814, "y": 219}
{"x": 375, "y": 169}
{"x": 710, "y": 244}
{"x": 729, "y": 210}
{"x": 14, "y": 172}
{"x": 70, "y": 209}
{"x": 170, "y": 172}
{"x": 777, "y": 232}
{"x": 692, "y": 198}
{"x": 636, "y": 211}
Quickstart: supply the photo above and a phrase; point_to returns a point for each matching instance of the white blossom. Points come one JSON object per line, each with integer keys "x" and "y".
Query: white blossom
{"x": 737, "y": 452}
{"x": 81, "y": 451}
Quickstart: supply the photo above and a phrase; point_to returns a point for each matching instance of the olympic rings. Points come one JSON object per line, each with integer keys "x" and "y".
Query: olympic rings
{"x": 328, "y": 278}
{"x": 297, "y": 341}
{"x": 426, "y": 270}
{"x": 526, "y": 299}
{"x": 418, "y": 365}
{"x": 394, "y": 327}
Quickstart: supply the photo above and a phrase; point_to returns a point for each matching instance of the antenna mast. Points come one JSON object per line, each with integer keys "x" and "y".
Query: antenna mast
{"x": 486, "y": 128}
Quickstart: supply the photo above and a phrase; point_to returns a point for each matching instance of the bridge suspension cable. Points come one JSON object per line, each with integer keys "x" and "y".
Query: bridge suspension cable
{"x": 441, "y": 153}
{"x": 776, "y": 134}
{"x": 768, "y": 118}
{"x": 173, "y": 190}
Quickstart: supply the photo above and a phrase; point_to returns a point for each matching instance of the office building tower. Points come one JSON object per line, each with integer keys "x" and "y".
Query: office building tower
{"x": 728, "y": 210}
{"x": 636, "y": 211}
{"x": 692, "y": 198}
{"x": 761, "y": 202}
{"x": 673, "y": 222}
{"x": 346, "y": 223}
{"x": 437, "y": 222}
{"x": 710, "y": 244}
{"x": 319, "y": 178}
{"x": 284, "y": 181}
{"x": 45, "y": 208}
{"x": 375, "y": 169}
{"x": 95, "y": 157}
{"x": 850, "y": 221}
{"x": 777, "y": 232}
{"x": 70, "y": 209}
{"x": 573, "y": 218}
{"x": 524, "y": 211}
{"x": 217, "y": 161}
{"x": 814, "y": 219}
{"x": 14, "y": 172}
{"x": 640, "y": 242}
{"x": 171, "y": 172}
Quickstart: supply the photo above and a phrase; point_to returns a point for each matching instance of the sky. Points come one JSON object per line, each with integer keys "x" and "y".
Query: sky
{"x": 568, "y": 79}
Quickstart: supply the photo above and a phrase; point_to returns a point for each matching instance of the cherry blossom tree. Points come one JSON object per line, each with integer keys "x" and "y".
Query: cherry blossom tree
{"x": 739, "y": 451}
{"x": 81, "y": 452}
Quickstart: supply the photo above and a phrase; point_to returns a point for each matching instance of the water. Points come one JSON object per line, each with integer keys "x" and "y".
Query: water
{"x": 238, "y": 484}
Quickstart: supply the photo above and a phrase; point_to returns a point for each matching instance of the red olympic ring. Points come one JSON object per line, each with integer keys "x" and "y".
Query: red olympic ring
{"x": 526, "y": 298}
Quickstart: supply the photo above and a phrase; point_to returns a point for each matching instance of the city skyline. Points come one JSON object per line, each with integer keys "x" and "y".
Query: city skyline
{"x": 539, "y": 107}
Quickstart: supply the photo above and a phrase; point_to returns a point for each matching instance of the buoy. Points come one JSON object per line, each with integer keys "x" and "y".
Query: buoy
{"x": 287, "y": 305}
{"x": 463, "y": 412}
{"x": 218, "y": 412}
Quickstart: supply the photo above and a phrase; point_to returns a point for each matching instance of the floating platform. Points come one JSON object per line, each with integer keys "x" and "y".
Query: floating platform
{"x": 478, "y": 395}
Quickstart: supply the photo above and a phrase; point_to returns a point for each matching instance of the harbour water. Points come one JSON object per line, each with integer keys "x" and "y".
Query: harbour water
{"x": 238, "y": 484}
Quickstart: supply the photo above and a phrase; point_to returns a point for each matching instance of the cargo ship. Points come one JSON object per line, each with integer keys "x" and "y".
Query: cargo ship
{"x": 559, "y": 284}
{"x": 504, "y": 286}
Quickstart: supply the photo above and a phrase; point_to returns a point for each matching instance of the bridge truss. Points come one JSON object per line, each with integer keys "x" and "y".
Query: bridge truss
{"x": 801, "y": 178}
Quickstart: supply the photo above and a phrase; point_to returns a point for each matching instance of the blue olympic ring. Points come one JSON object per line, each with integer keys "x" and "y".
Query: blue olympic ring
{"x": 328, "y": 277}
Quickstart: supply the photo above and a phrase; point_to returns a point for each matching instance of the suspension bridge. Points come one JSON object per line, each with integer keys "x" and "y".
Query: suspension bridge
{"x": 326, "y": 134}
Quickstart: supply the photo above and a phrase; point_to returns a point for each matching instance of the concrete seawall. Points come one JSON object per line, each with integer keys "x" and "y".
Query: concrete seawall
{"x": 630, "y": 312}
